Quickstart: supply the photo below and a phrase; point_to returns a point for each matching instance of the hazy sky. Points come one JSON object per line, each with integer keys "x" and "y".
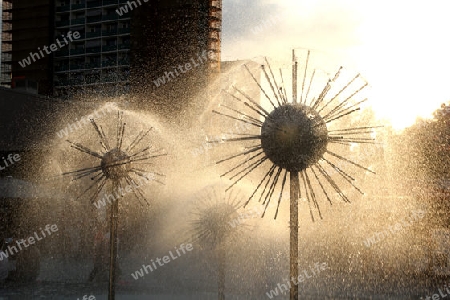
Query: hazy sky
{"x": 401, "y": 47}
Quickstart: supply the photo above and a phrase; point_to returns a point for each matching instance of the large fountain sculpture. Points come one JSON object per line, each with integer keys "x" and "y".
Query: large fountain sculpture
{"x": 295, "y": 138}
{"x": 117, "y": 164}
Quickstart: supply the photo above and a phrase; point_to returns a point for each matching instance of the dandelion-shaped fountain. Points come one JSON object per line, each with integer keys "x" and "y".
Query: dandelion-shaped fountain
{"x": 215, "y": 211}
{"x": 116, "y": 166}
{"x": 294, "y": 137}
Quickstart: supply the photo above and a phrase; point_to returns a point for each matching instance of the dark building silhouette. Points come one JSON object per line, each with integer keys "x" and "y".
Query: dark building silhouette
{"x": 122, "y": 44}
{"x": 175, "y": 50}
{"x": 28, "y": 25}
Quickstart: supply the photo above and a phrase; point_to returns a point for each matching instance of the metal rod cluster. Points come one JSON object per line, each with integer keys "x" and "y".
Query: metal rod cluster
{"x": 116, "y": 166}
{"x": 301, "y": 127}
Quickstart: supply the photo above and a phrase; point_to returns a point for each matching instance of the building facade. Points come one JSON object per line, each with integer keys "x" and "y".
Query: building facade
{"x": 120, "y": 43}
{"x": 176, "y": 52}
{"x": 6, "y": 43}
{"x": 99, "y": 61}
{"x": 27, "y": 25}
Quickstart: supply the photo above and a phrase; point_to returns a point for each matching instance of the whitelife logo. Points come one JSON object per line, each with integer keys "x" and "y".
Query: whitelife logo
{"x": 83, "y": 121}
{"x": 53, "y": 47}
{"x": 15, "y": 157}
{"x": 122, "y": 192}
{"x": 379, "y": 236}
{"x": 436, "y": 296}
{"x": 283, "y": 288}
{"x": 201, "y": 59}
{"x": 166, "y": 259}
{"x": 49, "y": 229}
{"x": 124, "y": 9}
{"x": 85, "y": 297}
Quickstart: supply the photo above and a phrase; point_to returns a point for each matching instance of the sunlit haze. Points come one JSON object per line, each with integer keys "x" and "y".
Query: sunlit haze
{"x": 400, "y": 47}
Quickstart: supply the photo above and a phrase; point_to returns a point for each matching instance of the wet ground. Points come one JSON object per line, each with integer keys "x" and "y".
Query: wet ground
{"x": 68, "y": 280}
{"x": 128, "y": 291}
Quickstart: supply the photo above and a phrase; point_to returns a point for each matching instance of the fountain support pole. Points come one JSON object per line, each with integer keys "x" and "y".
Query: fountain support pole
{"x": 113, "y": 245}
{"x": 221, "y": 271}
{"x": 294, "y": 196}
{"x": 293, "y": 225}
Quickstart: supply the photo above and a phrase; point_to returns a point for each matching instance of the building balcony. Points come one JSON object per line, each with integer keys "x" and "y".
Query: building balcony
{"x": 64, "y": 52}
{"x": 109, "y": 63}
{"x": 109, "y": 32}
{"x": 77, "y": 51}
{"x": 124, "y": 62}
{"x": 92, "y": 81}
{"x": 78, "y": 6}
{"x": 124, "y": 16}
{"x": 62, "y": 23}
{"x": 77, "y": 82}
{"x": 6, "y": 59}
{"x": 110, "y": 2}
{"x": 6, "y": 37}
{"x": 123, "y": 30}
{"x": 93, "y": 34}
{"x": 109, "y": 48}
{"x": 7, "y": 5}
{"x": 93, "y": 19}
{"x": 82, "y": 36}
{"x": 93, "y": 65}
{"x": 64, "y": 8}
{"x": 110, "y": 79}
{"x": 61, "y": 83}
{"x": 110, "y": 17}
{"x": 123, "y": 77}
{"x": 94, "y": 4}
{"x": 6, "y": 48}
{"x": 62, "y": 68}
{"x": 7, "y": 27}
{"x": 124, "y": 46}
{"x": 79, "y": 66}
{"x": 94, "y": 50}
{"x": 79, "y": 21}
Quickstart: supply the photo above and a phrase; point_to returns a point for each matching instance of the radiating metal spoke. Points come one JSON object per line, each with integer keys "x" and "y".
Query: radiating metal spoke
{"x": 340, "y": 92}
{"x": 84, "y": 149}
{"x": 97, "y": 191}
{"x": 350, "y": 161}
{"x": 304, "y": 77}
{"x": 248, "y": 172}
{"x": 101, "y": 134}
{"x": 343, "y": 115}
{"x": 252, "y": 106}
{"x": 271, "y": 84}
{"x": 321, "y": 185}
{"x": 102, "y": 178}
{"x": 242, "y": 164}
{"x": 281, "y": 193}
{"x": 264, "y": 178}
{"x": 138, "y": 139}
{"x": 332, "y": 182}
{"x": 259, "y": 85}
{"x": 240, "y": 154}
{"x": 246, "y": 168}
{"x": 271, "y": 190}
{"x": 237, "y": 119}
{"x": 326, "y": 89}
{"x": 252, "y": 101}
{"x": 250, "y": 118}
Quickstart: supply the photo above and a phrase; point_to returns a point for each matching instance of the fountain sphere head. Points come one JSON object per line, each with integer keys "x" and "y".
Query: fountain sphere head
{"x": 294, "y": 136}
{"x": 115, "y": 164}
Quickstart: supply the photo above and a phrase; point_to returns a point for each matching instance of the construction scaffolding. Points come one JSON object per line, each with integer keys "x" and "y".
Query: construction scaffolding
{"x": 6, "y": 44}
{"x": 214, "y": 38}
